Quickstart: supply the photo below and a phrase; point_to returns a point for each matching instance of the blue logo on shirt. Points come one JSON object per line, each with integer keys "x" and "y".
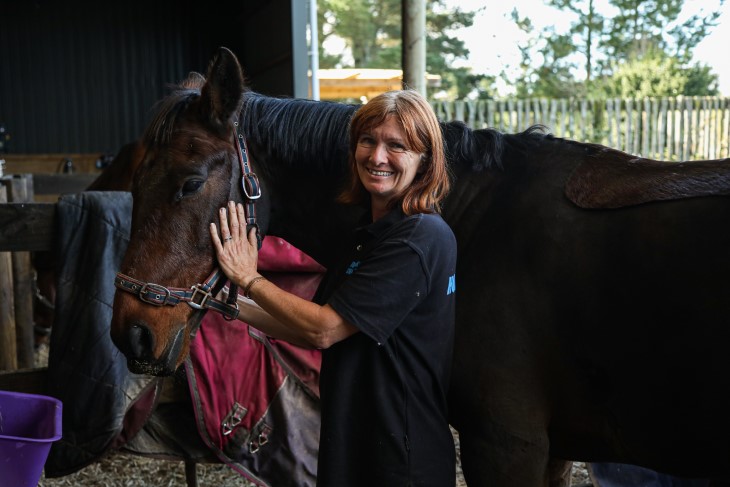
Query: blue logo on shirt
{"x": 351, "y": 268}
{"x": 452, "y": 285}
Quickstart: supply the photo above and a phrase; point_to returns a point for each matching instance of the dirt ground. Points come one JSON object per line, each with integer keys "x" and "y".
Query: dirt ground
{"x": 124, "y": 470}
{"x": 120, "y": 469}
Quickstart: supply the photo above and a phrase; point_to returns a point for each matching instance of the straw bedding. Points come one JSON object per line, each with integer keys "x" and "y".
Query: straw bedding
{"x": 120, "y": 469}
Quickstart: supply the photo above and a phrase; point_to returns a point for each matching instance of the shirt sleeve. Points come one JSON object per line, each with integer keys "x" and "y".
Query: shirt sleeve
{"x": 379, "y": 292}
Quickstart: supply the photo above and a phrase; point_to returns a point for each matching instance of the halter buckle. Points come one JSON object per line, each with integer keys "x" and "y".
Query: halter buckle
{"x": 156, "y": 294}
{"x": 197, "y": 290}
{"x": 251, "y": 186}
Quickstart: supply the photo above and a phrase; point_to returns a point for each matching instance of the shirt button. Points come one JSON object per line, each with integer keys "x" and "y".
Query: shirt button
{"x": 358, "y": 248}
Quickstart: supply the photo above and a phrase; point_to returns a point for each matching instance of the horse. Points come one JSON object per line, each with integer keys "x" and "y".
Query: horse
{"x": 592, "y": 284}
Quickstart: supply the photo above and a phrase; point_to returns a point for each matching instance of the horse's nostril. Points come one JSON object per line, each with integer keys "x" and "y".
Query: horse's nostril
{"x": 141, "y": 341}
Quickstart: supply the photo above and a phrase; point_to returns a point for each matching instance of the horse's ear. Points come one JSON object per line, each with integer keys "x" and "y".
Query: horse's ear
{"x": 193, "y": 81}
{"x": 222, "y": 94}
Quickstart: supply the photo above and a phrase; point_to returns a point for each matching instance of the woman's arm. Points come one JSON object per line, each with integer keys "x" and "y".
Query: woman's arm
{"x": 279, "y": 314}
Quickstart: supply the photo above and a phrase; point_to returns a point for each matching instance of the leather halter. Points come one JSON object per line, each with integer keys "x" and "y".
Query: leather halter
{"x": 201, "y": 296}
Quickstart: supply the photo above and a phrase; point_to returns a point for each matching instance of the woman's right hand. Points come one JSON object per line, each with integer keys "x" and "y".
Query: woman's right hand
{"x": 237, "y": 252}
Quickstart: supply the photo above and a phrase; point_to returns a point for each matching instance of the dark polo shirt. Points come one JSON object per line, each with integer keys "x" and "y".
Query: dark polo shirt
{"x": 384, "y": 418}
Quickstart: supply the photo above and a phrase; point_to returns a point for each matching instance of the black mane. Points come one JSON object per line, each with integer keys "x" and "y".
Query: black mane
{"x": 312, "y": 136}
{"x": 485, "y": 148}
{"x": 306, "y": 134}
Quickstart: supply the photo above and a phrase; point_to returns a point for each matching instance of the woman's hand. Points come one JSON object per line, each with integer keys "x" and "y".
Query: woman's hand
{"x": 237, "y": 252}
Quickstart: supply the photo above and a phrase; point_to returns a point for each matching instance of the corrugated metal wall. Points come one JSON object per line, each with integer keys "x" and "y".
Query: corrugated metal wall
{"x": 81, "y": 77}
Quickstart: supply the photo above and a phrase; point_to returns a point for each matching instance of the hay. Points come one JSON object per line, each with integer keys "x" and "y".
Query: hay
{"x": 125, "y": 470}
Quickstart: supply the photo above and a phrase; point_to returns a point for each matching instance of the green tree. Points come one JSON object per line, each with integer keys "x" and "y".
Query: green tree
{"x": 657, "y": 74}
{"x": 640, "y": 27}
{"x": 636, "y": 37}
{"x": 371, "y": 30}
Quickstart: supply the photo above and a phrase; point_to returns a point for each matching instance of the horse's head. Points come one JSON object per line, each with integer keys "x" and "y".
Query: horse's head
{"x": 192, "y": 166}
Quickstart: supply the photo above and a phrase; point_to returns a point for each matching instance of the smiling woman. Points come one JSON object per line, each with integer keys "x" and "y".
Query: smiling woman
{"x": 384, "y": 313}
{"x": 385, "y": 166}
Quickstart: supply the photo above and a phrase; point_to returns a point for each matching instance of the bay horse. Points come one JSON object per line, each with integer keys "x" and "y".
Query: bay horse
{"x": 592, "y": 284}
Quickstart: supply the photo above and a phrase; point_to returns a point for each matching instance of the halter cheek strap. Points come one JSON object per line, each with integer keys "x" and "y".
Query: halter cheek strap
{"x": 250, "y": 186}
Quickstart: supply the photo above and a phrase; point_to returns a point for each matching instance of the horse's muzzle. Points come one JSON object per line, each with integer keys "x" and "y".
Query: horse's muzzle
{"x": 138, "y": 345}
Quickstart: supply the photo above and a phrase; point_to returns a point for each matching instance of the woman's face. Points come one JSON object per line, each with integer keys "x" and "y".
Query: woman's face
{"x": 385, "y": 164}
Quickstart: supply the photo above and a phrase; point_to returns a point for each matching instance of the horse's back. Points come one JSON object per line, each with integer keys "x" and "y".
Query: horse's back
{"x": 603, "y": 327}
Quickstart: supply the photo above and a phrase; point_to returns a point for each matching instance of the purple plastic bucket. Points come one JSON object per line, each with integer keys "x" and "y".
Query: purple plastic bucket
{"x": 29, "y": 423}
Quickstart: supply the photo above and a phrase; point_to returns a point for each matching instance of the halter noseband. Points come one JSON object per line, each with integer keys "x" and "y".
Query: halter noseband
{"x": 200, "y": 296}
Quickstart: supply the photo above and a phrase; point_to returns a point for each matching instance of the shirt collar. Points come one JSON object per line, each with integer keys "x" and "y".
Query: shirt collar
{"x": 377, "y": 227}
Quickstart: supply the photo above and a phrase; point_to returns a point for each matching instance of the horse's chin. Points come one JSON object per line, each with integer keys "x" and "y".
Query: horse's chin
{"x": 167, "y": 364}
{"x": 146, "y": 368}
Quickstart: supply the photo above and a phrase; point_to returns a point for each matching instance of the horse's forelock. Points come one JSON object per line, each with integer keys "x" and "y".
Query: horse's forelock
{"x": 167, "y": 112}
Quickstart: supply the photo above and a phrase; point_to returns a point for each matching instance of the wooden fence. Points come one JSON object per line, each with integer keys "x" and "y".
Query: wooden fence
{"x": 676, "y": 129}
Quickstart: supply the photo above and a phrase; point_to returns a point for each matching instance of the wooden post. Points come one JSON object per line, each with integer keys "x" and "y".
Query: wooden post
{"x": 413, "y": 48}
{"x": 20, "y": 190}
{"x": 8, "y": 355}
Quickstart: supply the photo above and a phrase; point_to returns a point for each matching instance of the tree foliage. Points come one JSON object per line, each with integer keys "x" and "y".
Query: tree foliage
{"x": 655, "y": 73}
{"x": 371, "y": 30}
{"x": 642, "y": 49}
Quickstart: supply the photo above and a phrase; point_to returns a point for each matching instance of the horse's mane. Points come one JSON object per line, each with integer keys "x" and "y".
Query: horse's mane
{"x": 311, "y": 134}
{"x": 485, "y": 148}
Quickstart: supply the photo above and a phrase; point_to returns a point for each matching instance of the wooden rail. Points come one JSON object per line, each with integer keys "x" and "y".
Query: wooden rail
{"x": 675, "y": 129}
{"x": 25, "y": 226}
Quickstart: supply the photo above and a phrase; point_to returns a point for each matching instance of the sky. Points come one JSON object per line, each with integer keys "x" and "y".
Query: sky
{"x": 492, "y": 40}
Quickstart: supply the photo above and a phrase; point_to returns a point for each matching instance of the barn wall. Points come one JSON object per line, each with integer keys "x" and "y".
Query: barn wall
{"x": 81, "y": 77}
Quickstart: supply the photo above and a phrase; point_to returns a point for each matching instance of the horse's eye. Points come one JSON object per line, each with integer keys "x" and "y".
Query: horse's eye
{"x": 191, "y": 186}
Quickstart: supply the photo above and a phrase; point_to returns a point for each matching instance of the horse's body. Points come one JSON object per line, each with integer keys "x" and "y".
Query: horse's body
{"x": 592, "y": 286}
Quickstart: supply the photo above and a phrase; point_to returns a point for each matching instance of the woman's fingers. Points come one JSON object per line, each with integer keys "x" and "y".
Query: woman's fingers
{"x": 253, "y": 238}
{"x": 231, "y": 226}
{"x": 225, "y": 232}
{"x": 215, "y": 238}
{"x": 242, "y": 219}
{"x": 234, "y": 223}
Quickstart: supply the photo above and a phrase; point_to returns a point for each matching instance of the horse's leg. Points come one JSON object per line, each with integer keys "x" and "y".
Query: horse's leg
{"x": 559, "y": 472}
{"x": 191, "y": 473}
{"x": 495, "y": 458}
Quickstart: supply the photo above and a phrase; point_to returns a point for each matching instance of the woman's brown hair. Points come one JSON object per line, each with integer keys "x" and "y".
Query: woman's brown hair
{"x": 422, "y": 133}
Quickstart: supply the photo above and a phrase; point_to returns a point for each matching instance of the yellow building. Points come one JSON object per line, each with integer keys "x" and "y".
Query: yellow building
{"x": 362, "y": 84}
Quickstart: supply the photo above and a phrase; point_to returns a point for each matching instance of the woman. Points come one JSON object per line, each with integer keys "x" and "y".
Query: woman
{"x": 384, "y": 318}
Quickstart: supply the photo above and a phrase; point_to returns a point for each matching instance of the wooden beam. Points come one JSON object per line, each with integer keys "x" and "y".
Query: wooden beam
{"x": 413, "y": 28}
{"x": 26, "y": 226}
{"x": 62, "y": 183}
{"x": 29, "y": 381}
{"x": 49, "y": 163}
{"x": 20, "y": 190}
{"x": 8, "y": 351}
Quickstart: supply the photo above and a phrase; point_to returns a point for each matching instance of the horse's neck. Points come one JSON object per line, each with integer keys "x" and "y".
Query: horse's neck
{"x": 316, "y": 227}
